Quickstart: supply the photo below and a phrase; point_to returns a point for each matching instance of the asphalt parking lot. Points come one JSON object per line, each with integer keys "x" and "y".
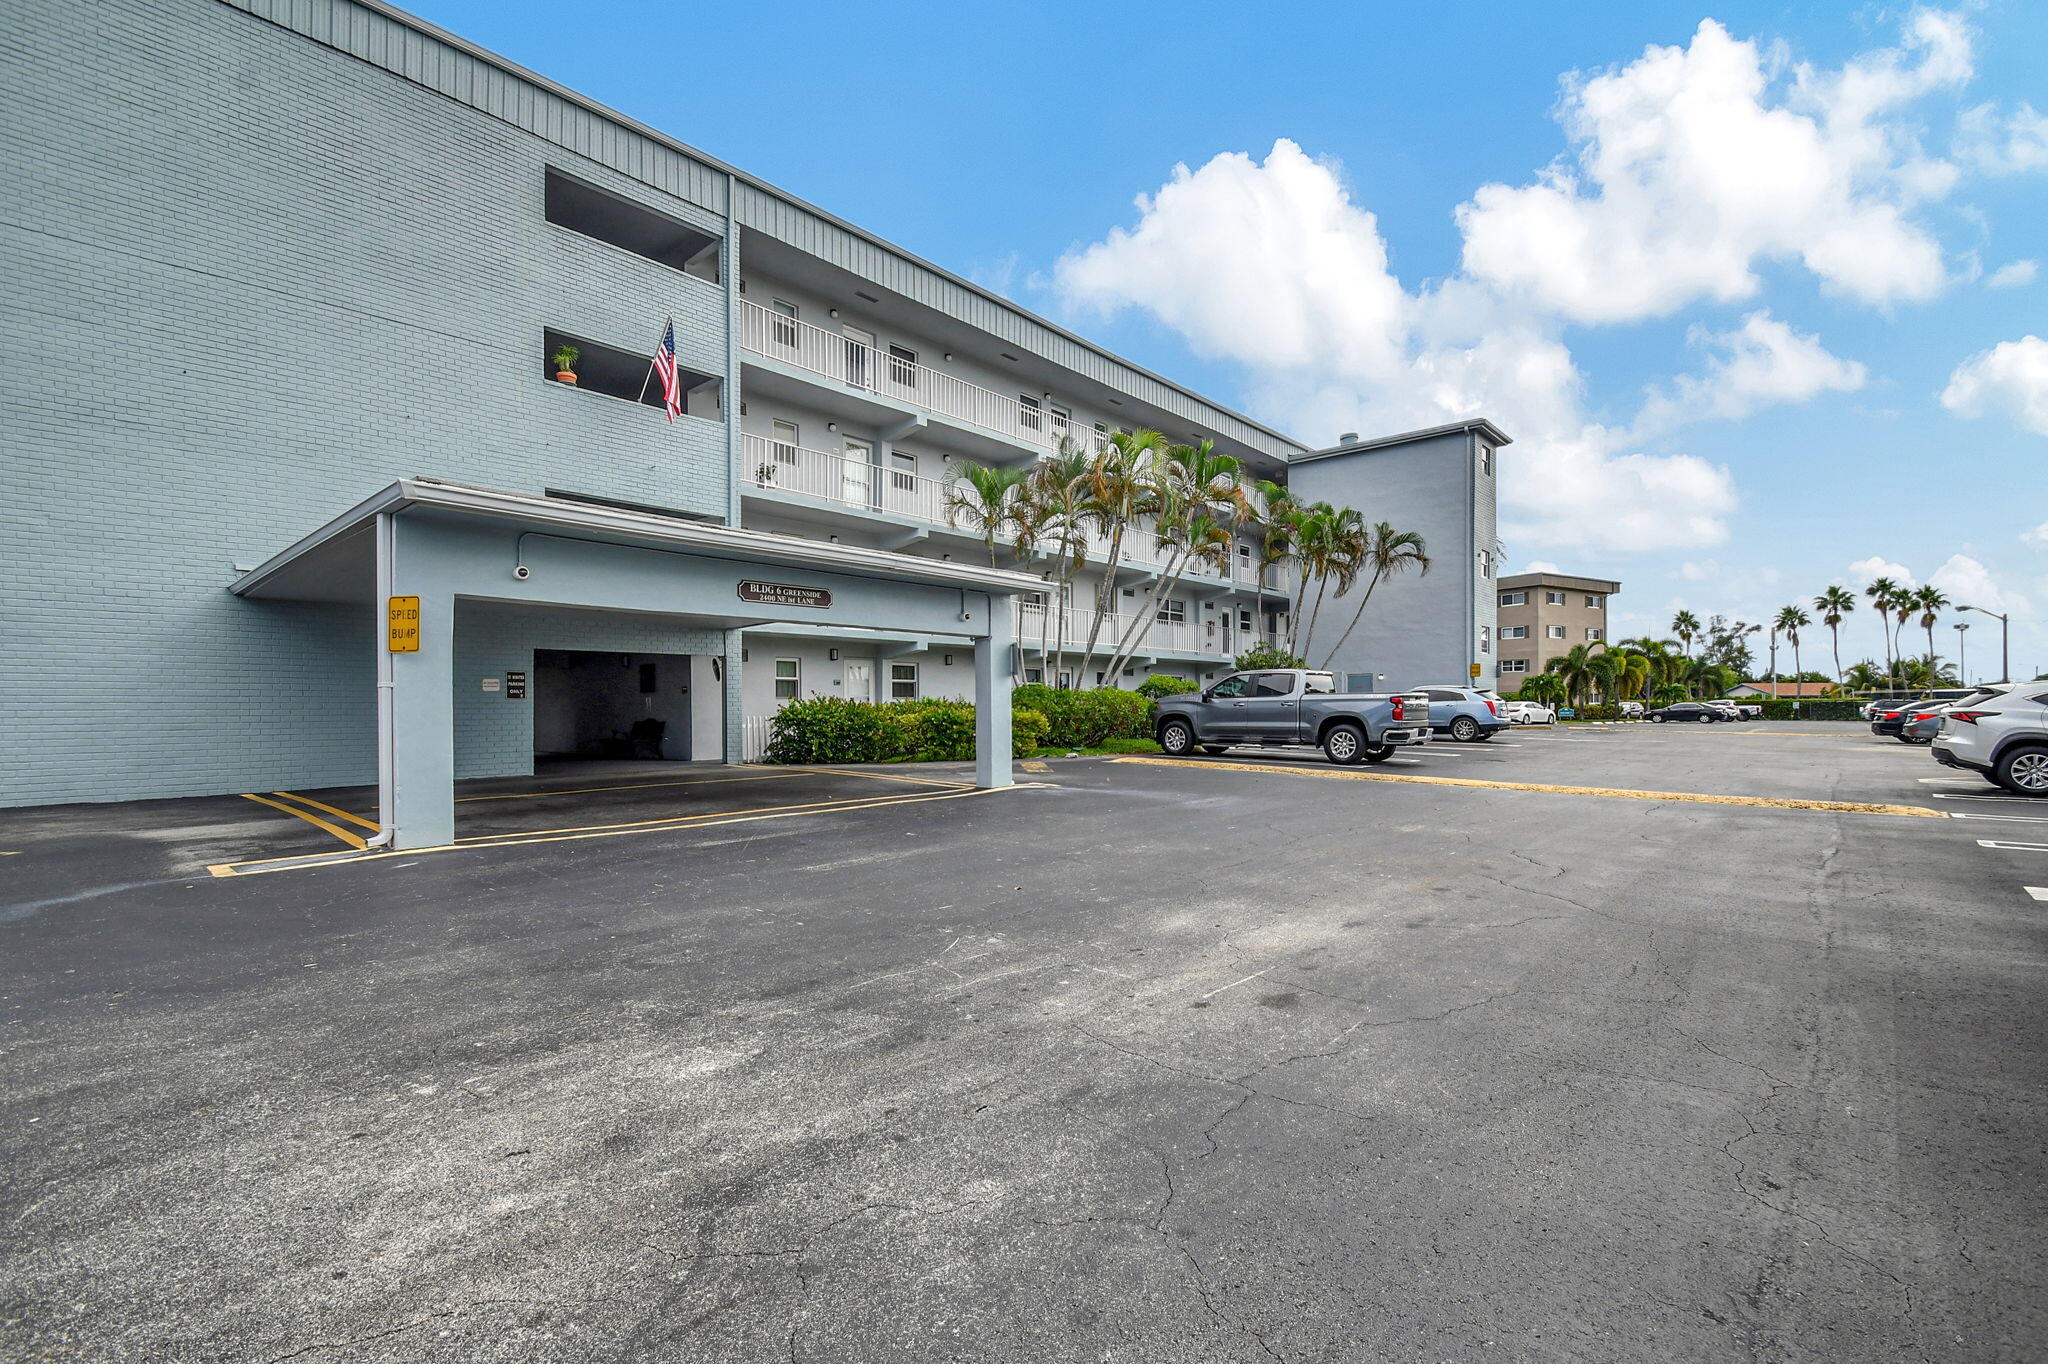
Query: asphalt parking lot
{"x": 1238, "y": 1059}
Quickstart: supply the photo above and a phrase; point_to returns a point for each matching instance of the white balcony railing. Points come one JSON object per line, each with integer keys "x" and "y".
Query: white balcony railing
{"x": 1213, "y": 638}
{"x": 868, "y": 368}
{"x": 847, "y": 480}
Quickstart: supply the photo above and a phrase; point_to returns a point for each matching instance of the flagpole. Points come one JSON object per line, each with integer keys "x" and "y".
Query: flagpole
{"x": 648, "y": 378}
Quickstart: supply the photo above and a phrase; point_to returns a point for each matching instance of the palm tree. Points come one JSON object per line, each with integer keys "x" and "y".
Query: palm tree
{"x": 1929, "y": 602}
{"x": 1115, "y": 490}
{"x": 1575, "y": 671}
{"x": 1055, "y": 498}
{"x": 1863, "y": 676}
{"x": 1331, "y": 544}
{"x": 986, "y": 499}
{"x": 1834, "y": 604}
{"x": 1687, "y": 627}
{"x": 1790, "y": 621}
{"x": 1883, "y": 592}
{"x": 1272, "y": 528}
{"x": 1388, "y": 553}
{"x": 1545, "y": 688}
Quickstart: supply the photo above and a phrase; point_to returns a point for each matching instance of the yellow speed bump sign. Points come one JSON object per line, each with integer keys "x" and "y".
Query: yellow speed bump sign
{"x": 402, "y": 619}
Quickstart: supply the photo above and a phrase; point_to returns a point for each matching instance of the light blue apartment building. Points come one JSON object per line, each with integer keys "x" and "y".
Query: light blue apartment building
{"x": 286, "y": 277}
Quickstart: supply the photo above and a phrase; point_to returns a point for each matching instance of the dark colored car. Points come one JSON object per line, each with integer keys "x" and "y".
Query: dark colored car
{"x": 1891, "y": 718}
{"x": 1922, "y": 726}
{"x": 1690, "y": 712}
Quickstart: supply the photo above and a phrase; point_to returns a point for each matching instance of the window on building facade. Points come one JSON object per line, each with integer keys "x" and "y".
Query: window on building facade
{"x": 1553, "y": 599}
{"x": 902, "y": 681}
{"x": 1062, "y": 420}
{"x": 902, "y": 366}
{"x": 787, "y": 677}
{"x": 1514, "y": 598}
{"x": 784, "y": 441}
{"x": 618, "y": 221}
{"x": 1486, "y": 639}
{"x": 1592, "y": 634}
{"x": 1514, "y": 632}
{"x": 902, "y": 471}
{"x": 1514, "y": 665}
{"x": 1173, "y": 610}
{"x": 1596, "y": 602}
{"x": 1485, "y": 458}
{"x": 1554, "y": 631}
{"x": 625, "y": 374}
{"x": 1031, "y": 414}
{"x": 785, "y": 322}
{"x": 1485, "y": 563}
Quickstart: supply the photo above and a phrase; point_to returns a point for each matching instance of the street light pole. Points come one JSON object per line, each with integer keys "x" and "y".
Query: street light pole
{"x": 2004, "y": 640}
{"x": 1962, "y": 652}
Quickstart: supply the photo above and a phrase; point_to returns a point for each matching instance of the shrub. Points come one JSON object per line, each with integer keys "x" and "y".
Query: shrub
{"x": 1606, "y": 712}
{"x": 1266, "y": 656}
{"x": 829, "y": 729}
{"x": 1028, "y": 729}
{"x": 1159, "y": 684}
{"x": 936, "y": 731}
{"x": 1828, "y": 708}
{"x": 1084, "y": 719}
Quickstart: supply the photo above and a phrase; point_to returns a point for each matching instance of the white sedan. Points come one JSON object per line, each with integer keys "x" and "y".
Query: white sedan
{"x": 1529, "y": 713}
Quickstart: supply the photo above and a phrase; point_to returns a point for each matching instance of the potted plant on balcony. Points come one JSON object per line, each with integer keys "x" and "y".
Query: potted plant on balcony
{"x": 565, "y": 363}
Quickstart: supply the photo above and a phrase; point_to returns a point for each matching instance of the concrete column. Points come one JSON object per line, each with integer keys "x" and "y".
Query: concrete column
{"x": 735, "y": 699}
{"x": 422, "y": 810}
{"x": 992, "y": 694}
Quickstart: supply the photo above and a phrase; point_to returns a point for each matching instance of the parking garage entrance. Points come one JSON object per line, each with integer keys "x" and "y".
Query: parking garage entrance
{"x": 594, "y": 704}
{"x": 472, "y": 589}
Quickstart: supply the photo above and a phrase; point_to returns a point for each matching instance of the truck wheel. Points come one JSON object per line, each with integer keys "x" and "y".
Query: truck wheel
{"x": 1380, "y": 754}
{"x": 1344, "y": 745}
{"x": 1176, "y": 739}
{"x": 1464, "y": 729}
{"x": 2024, "y": 771}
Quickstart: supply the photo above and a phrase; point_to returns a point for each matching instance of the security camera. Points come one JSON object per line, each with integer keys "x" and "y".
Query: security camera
{"x": 521, "y": 572}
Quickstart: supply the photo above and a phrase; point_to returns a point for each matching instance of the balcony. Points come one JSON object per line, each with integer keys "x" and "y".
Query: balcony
{"x": 859, "y": 486}
{"x": 871, "y": 370}
{"x": 1197, "y": 640}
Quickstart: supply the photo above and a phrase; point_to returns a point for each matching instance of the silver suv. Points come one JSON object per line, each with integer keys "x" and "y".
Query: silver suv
{"x": 2002, "y": 735}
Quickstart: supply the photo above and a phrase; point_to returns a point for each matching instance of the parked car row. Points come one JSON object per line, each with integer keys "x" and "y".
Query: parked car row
{"x": 1999, "y": 731}
{"x": 1704, "y": 713}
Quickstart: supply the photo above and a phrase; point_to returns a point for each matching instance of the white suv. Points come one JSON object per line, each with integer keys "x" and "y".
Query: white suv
{"x": 2002, "y": 735}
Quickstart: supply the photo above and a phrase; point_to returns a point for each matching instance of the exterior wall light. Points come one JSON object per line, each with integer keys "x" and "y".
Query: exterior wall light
{"x": 832, "y": 654}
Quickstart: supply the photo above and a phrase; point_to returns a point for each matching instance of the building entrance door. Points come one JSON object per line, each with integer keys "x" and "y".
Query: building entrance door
{"x": 860, "y": 357}
{"x": 860, "y": 680}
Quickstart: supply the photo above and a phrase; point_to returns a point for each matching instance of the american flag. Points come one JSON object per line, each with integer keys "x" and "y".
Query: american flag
{"x": 665, "y": 365}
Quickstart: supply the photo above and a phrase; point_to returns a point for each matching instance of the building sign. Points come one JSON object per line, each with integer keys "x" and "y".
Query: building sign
{"x": 1475, "y": 670}
{"x": 515, "y": 686}
{"x": 490, "y": 684}
{"x": 785, "y": 594}
{"x": 402, "y": 622}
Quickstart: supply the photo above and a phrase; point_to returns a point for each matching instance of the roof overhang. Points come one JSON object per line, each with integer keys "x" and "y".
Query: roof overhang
{"x": 1479, "y": 425}
{"x": 327, "y": 564}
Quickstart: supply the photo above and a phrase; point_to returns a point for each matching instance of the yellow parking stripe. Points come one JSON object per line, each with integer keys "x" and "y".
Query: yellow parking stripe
{"x": 261, "y": 866}
{"x": 679, "y": 820}
{"x": 344, "y": 835}
{"x": 357, "y": 820}
{"x": 1697, "y": 798}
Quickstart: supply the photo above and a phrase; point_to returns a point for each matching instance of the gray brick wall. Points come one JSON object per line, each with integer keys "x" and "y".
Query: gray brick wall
{"x": 252, "y": 280}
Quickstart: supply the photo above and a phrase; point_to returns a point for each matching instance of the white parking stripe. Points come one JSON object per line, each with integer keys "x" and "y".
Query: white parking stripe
{"x": 2038, "y": 892}
{"x": 2015, "y": 847}
{"x": 2004, "y": 819}
{"x": 1995, "y": 800}
{"x": 1945, "y": 781}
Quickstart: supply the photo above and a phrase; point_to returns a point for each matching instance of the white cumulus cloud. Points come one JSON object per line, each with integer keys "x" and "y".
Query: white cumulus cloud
{"x": 2004, "y": 143}
{"x": 2013, "y": 274}
{"x": 1273, "y": 265}
{"x": 1760, "y": 364}
{"x": 1864, "y": 572}
{"x": 1690, "y": 166}
{"x": 1967, "y": 581}
{"x": 2037, "y": 537}
{"x": 2010, "y": 379}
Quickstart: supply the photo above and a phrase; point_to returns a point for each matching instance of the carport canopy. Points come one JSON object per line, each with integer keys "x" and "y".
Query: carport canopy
{"x": 414, "y": 548}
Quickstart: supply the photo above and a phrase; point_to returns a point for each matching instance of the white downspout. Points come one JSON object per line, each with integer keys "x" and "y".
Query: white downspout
{"x": 387, "y": 736}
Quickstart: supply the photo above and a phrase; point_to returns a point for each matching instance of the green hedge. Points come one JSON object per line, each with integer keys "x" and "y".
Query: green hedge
{"x": 828, "y": 729}
{"x": 1087, "y": 719}
{"x": 1161, "y": 684}
{"x": 1830, "y": 709}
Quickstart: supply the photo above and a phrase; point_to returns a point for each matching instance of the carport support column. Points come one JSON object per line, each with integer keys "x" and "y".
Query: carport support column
{"x": 417, "y": 767}
{"x": 992, "y": 694}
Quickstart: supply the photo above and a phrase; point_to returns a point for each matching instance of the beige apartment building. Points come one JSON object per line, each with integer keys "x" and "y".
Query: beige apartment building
{"x": 1543, "y": 615}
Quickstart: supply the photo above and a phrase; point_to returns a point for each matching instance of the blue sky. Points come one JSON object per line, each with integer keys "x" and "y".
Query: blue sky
{"x": 1735, "y": 289}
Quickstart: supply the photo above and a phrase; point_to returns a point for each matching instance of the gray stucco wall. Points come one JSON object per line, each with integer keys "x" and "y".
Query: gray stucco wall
{"x": 1418, "y": 628}
{"x": 251, "y": 280}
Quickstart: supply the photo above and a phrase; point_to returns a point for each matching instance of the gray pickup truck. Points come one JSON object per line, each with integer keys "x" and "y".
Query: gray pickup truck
{"x": 1291, "y": 707}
